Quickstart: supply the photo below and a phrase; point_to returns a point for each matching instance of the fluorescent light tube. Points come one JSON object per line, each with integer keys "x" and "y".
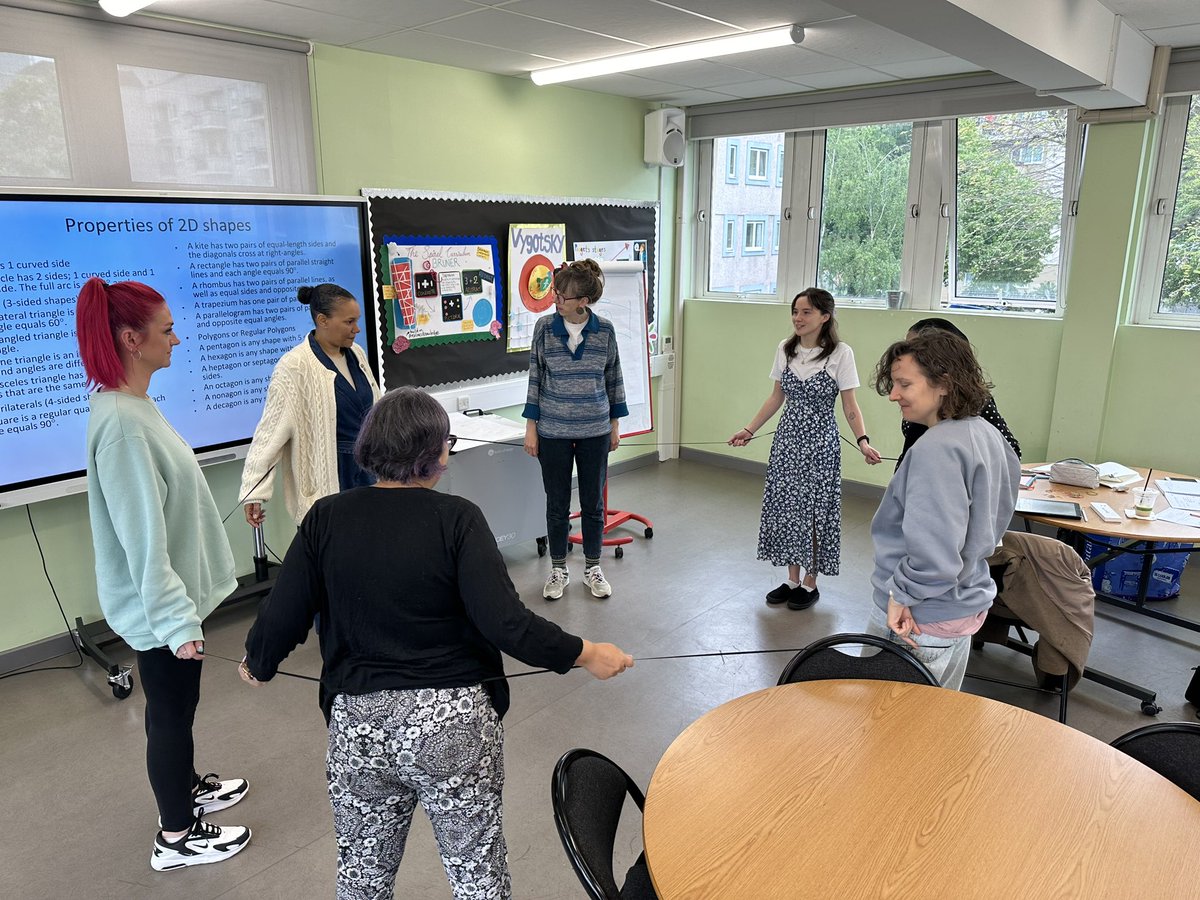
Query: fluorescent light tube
{"x": 122, "y": 8}
{"x": 665, "y": 56}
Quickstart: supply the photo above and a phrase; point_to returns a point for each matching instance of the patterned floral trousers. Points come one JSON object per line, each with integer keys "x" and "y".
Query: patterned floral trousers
{"x": 390, "y": 750}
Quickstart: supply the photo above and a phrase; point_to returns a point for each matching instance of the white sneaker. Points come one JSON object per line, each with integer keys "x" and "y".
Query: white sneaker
{"x": 595, "y": 580}
{"x": 556, "y": 584}
{"x": 211, "y": 795}
{"x": 204, "y": 843}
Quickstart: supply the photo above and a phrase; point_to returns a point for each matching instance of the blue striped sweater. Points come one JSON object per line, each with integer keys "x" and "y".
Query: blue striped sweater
{"x": 574, "y": 395}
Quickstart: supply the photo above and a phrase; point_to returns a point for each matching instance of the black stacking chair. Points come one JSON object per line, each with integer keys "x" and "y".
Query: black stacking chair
{"x": 1172, "y": 749}
{"x": 821, "y": 660}
{"x": 588, "y": 791}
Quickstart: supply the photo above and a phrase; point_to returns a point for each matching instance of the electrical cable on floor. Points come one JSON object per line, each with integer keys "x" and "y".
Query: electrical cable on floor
{"x": 25, "y": 670}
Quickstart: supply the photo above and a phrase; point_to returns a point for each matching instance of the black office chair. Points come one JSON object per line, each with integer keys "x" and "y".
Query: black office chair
{"x": 1172, "y": 749}
{"x": 821, "y": 659}
{"x": 588, "y": 791}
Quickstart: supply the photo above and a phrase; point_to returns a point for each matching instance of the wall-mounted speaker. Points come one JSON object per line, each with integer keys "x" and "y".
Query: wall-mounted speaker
{"x": 665, "y": 142}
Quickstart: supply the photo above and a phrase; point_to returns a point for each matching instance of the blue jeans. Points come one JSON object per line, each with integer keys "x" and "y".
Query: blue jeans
{"x": 589, "y": 456}
{"x": 946, "y": 658}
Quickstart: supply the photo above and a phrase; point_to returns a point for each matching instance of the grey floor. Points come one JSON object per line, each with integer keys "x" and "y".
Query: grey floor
{"x": 76, "y": 813}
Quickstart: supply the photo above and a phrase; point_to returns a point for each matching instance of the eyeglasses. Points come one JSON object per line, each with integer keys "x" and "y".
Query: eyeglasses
{"x": 561, "y": 296}
{"x": 451, "y": 440}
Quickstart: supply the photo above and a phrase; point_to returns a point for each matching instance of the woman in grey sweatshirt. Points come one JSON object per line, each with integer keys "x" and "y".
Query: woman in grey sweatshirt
{"x": 946, "y": 508}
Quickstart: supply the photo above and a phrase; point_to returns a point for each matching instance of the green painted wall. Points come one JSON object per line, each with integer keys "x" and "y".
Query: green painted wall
{"x": 720, "y": 399}
{"x": 386, "y": 123}
{"x": 1087, "y": 385}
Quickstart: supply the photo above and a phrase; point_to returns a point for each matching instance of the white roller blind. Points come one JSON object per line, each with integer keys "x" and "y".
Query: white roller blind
{"x": 97, "y": 104}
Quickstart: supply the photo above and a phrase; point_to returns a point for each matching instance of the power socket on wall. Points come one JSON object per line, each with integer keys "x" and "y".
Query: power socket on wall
{"x": 462, "y": 402}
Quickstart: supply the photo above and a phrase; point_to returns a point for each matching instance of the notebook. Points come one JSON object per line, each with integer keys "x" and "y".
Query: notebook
{"x": 1063, "y": 509}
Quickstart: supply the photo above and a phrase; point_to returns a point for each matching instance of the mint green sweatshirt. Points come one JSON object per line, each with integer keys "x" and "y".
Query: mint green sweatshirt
{"x": 163, "y": 561}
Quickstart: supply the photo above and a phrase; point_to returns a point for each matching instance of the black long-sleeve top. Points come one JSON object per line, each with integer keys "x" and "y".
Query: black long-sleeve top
{"x": 990, "y": 414}
{"x": 411, "y": 593}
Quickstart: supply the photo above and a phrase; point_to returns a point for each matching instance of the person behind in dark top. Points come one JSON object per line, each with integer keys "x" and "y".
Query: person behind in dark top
{"x": 989, "y": 413}
{"x": 415, "y": 608}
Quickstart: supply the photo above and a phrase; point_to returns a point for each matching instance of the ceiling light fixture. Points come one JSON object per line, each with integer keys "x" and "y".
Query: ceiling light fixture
{"x": 122, "y": 8}
{"x": 665, "y": 56}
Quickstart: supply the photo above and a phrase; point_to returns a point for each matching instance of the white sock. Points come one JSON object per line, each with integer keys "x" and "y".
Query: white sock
{"x": 793, "y": 584}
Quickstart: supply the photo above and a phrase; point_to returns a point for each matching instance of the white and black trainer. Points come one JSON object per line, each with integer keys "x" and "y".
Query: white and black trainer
{"x": 211, "y": 794}
{"x": 204, "y": 843}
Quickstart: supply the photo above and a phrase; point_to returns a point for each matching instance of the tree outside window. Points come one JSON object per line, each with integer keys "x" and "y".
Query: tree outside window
{"x": 862, "y": 210}
{"x": 1181, "y": 277}
{"x": 1008, "y": 213}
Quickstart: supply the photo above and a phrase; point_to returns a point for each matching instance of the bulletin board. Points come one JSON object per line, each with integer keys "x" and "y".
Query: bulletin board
{"x": 443, "y": 218}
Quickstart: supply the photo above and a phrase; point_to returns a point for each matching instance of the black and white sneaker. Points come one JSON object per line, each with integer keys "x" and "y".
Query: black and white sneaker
{"x": 210, "y": 794}
{"x": 204, "y": 843}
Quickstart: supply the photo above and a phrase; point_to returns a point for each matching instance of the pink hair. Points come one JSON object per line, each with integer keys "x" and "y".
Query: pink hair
{"x": 101, "y": 311}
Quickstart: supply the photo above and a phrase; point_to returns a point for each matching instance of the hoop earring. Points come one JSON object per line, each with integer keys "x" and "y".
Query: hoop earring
{"x": 137, "y": 354}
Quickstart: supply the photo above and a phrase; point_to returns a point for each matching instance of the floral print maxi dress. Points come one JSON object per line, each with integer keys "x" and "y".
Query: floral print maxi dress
{"x": 802, "y": 500}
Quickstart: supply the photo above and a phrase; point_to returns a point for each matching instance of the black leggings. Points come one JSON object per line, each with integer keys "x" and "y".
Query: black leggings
{"x": 172, "y": 688}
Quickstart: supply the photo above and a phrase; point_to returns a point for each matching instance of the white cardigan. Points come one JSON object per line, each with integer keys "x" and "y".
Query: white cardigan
{"x": 298, "y": 432}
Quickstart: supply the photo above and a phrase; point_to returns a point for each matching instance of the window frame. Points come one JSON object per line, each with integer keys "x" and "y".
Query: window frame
{"x": 731, "y": 162}
{"x": 1072, "y": 170}
{"x": 1158, "y": 217}
{"x": 753, "y": 149}
{"x": 86, "y": 53}
{"x": 729, "y": 238}
{"x": 749, "y": 249}
{"x": 928, "y": 221}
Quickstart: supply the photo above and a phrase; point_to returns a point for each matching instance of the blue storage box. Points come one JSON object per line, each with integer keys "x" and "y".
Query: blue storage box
{"x": 1119, "y": 575}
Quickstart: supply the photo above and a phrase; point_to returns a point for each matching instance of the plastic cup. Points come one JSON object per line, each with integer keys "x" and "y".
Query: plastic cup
{"x": 1144, "y": 500}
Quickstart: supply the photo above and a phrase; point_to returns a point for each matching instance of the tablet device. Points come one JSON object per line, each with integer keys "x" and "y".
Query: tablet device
{"x": 1063, "y": 509}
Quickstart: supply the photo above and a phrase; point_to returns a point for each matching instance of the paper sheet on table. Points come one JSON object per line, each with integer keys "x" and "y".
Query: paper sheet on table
{"x": 1178, "y": 486}
{"x": 1179, "y": 517}
{"x": 473, "y": 431}
{"x": 1182, "y": 501}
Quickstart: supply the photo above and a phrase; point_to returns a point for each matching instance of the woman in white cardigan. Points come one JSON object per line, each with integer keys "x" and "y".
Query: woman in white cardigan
{"x": 319, "y": 393}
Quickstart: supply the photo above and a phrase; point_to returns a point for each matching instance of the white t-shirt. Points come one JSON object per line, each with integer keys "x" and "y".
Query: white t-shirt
{"x": 840, "y": 364}
{"x": 574, "y": 333}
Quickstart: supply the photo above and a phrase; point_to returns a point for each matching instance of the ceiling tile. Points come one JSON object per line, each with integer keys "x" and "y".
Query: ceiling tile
{"x": 695, "y": 98}
{"x": 928, "y": 68}
{"x": 1179, "y": 36}
{"x": 756, "y": 14}
{"x": 845, "y": 78}
{"x": 859, "y": 41}
{"x": 497, "y": 28}
{"x": 699, "y": 74}
{"x": 785, "y": 62}
{"x": 629, "y": 85}
{"x": 768, "y": 87}
{"x": 650, "y": 24}
{"x": 434, "y": 48}
{"x": 1143, "y": 14}
{"x": 354, "y": 21}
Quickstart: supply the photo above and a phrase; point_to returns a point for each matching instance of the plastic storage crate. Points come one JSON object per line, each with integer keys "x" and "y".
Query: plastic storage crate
{"x": 1119, "y": 576}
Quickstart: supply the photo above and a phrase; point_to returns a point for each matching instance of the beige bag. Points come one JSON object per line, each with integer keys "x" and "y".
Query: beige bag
{"x": 1075, "y": 472}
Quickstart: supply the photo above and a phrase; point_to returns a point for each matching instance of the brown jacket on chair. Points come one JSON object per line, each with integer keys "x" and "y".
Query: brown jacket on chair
{"x": 1046, "y": 587}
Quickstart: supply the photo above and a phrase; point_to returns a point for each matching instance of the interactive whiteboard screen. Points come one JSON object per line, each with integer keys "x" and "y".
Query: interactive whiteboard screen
{"x": 228, "y": 268}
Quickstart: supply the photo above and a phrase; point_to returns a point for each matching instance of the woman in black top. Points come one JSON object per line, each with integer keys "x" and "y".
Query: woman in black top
{"x": 989, "y": 413}
{"x": 415, "y": 608}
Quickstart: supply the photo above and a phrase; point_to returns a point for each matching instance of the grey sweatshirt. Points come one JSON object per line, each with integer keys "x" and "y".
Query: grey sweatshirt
{"x": 941, "y": 517}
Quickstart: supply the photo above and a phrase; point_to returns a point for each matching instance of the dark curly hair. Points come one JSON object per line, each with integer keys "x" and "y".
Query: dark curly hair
{"x": 948, "y": 362}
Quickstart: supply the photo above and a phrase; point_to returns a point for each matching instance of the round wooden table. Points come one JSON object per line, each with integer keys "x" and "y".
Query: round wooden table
{"x": 1127, "y": 528}
{"x": 880, "y": 789}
